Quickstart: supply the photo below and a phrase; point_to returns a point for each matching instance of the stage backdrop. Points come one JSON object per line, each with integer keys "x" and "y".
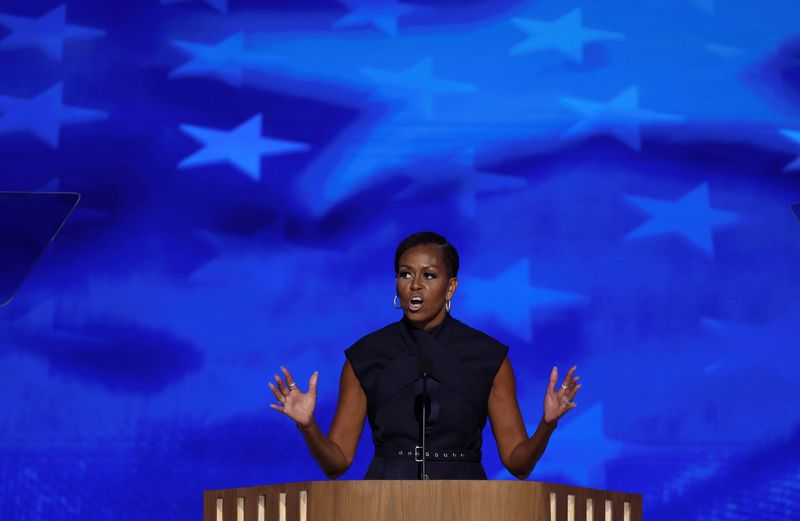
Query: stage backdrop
{"x": 616, "y": 175}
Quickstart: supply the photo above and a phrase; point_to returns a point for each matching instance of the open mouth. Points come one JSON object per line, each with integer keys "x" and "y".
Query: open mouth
{"x": 415, "y": 303}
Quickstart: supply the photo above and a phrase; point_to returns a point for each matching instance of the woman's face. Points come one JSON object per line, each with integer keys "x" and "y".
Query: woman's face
{"x": 423, "y": 285}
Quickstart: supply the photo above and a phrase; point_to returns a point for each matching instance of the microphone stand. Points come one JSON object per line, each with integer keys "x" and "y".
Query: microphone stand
{"x": 424, "y": 475}
{"x": 424, "y": 368}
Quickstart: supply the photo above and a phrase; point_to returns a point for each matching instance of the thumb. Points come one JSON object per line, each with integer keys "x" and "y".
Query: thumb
{"x": 312, "y": 383}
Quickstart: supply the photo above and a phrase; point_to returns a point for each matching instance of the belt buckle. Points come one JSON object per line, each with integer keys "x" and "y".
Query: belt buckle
{"x": 418, "y": 454}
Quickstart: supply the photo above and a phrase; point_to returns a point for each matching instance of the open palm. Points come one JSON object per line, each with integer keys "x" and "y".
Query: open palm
{"x": 558, "y": 402}
{"x": 294, "y": 403}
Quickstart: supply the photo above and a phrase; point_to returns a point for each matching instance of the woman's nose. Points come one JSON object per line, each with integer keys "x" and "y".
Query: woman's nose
{"x": 416, "y": 283}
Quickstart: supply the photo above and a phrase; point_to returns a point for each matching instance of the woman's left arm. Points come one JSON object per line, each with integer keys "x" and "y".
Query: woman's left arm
{"x": 518, "y": 452}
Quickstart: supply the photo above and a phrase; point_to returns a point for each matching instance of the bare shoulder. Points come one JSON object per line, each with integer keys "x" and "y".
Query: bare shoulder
{"x": 504, "y": 384}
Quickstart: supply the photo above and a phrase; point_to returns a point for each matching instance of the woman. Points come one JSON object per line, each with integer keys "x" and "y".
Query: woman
{"x": 471, "y": 378}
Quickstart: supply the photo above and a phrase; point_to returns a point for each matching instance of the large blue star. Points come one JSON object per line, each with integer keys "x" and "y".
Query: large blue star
{"x": 40, "y": 318}
{"x": 774, "y": 338}
{"x": 225, "y": 60}
{"x": 219, "y": 5}
{"x": 690, "y": 216}
{"x": 765, "y": 349}
{"x": 509, "y": 297}
{"x": 415, "y": 84}
{"x": 242, "y": 146}
{"x": 794, "y": 135}
{"x": 620, "y": 117}
{"x": 458, "y": 171}
{"x": 580, "y": 451}
{"x": 566, "y": 35}
{"x": 43, "y": 115}
{"x": 381, "y": 14}
{"x": 47, "y": 33}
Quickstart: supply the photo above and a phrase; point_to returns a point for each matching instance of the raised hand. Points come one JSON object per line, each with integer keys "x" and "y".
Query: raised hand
{"x": 294, "y": 403}
{"x": 558, "y": 402}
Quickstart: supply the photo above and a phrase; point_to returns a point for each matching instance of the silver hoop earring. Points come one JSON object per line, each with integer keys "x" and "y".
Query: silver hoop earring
{"x": 396, "y": 304}
{"x": 447, "y": 305}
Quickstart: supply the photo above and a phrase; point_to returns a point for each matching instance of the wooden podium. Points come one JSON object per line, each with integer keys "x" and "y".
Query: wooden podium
{"x": 420, "y": 501}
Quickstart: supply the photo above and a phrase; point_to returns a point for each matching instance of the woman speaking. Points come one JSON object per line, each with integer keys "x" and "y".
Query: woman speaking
{"x": 470, "y": 379}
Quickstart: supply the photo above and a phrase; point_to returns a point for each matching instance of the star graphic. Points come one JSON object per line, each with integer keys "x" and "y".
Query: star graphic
{"x": 381, "y": 14}
{"x": 254, "y": 273}
{"x": 242, "y": 146}
{"x": 219, "y": 5}
{"x": 416, "y": 84}
{"x": 621, "y": 117}
{"x": 566, "y": 35}
{"x": 773, "y": 338}
{"x": 459, "y": 171}
{"x": 43, "y": 115}
{"x": 793, "y": 135}
{"x": 510, "y": 296}
{"x": 40, "y": 318}
{"x": 690, "y": 216}
{"x": 579, "y": 452}
{"x": 236, "y": 257}
{"x": 47, "y": 33}
{"x": 225, "y": 60}
{"x": 754, "y": 348}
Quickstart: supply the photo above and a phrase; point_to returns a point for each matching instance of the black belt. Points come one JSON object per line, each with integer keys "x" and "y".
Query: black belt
{"x": 430, "y": 455}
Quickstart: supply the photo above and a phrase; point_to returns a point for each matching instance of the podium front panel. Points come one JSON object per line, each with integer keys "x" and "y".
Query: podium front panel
{"x": 420, "y": 501}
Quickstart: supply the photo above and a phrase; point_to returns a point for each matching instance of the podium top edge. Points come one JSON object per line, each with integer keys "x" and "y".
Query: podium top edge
{"x": 564, "y": 487}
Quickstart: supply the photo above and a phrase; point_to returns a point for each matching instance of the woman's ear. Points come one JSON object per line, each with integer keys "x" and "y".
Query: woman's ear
{"x": 451, "y": 287}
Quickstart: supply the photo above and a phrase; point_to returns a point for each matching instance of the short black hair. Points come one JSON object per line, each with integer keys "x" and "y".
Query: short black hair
{"x": 421, "y": 238}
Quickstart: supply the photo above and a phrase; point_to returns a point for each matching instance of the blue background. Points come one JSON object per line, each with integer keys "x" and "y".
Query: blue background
{"x": 616, "y": 176}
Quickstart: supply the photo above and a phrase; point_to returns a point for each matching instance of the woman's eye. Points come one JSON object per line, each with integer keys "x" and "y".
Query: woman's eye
{"x": 430, "y": 275}
{"x": 404, "y": 274}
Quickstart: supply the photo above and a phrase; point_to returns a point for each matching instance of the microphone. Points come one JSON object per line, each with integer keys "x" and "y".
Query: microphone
{"x": 424, "y": 369}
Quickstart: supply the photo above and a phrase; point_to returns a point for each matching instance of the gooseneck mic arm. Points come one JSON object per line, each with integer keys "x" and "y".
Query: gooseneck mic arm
{"x": 424, "y": 369}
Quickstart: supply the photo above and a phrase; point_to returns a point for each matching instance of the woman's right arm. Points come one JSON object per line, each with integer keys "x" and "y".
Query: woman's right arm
{"x": 335, "y": 452}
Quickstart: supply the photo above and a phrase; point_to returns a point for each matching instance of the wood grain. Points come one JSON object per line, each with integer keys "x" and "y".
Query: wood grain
{"x": 420, "y": 501}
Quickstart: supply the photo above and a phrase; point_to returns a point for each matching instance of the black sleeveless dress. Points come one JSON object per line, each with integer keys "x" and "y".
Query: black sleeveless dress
{"x": 465, "y": 362}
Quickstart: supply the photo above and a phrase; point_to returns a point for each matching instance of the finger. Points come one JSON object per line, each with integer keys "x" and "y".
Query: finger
{"x": 553, "y": 379}
{"x": 568, "y": 377}
{"x": 281, "y": 385}
{"x": 312, "y": 383}
{"x": 278, "y": 408}
{"x": 278, "y": 396}
{"x": 289, "y": 380}
{"x": 574, "y": 391}
{"x": 566, "y": 406}
{"x": 569, "y": 385}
